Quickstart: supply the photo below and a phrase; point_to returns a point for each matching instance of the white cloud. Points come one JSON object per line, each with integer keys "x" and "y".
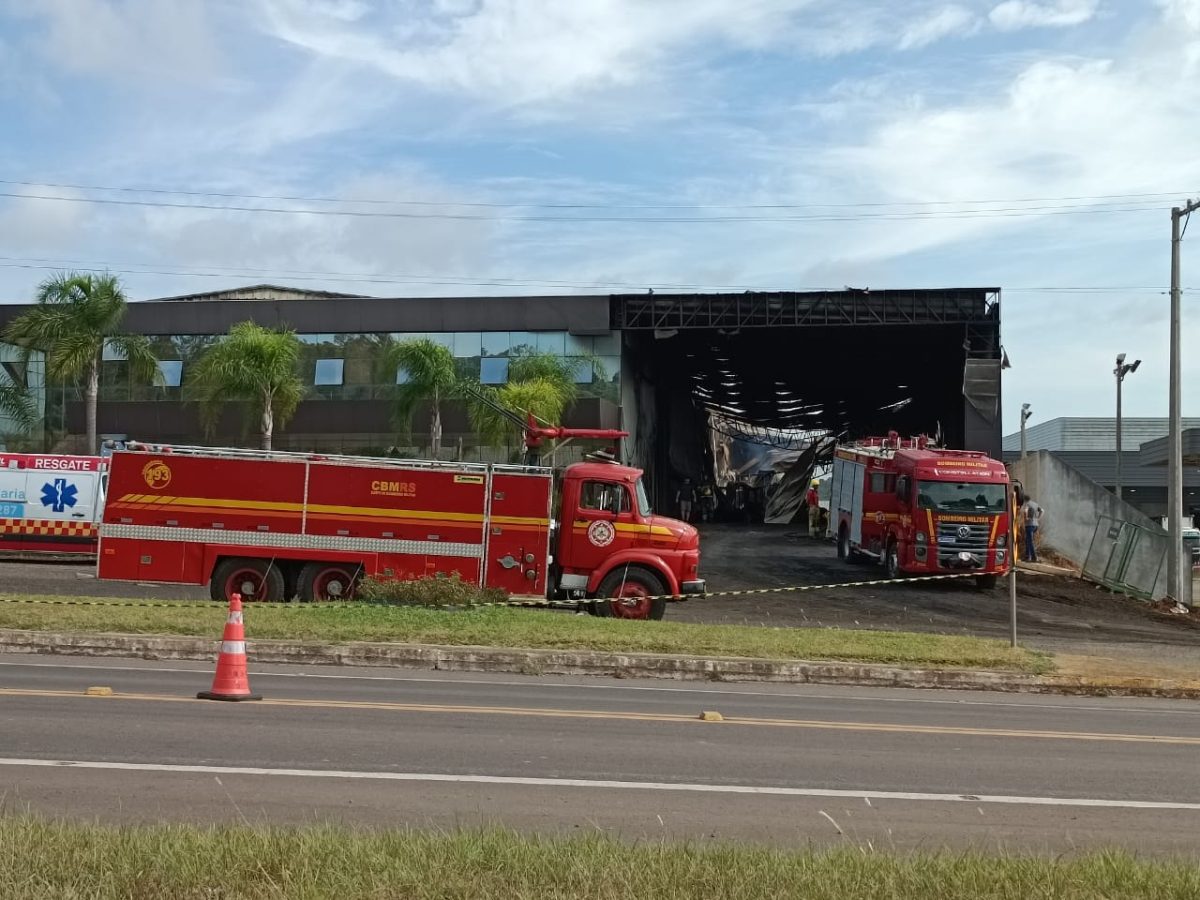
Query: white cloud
{"x": 1012, "y": 15}
{"x": 527, "y": 51}
{"x": 170, "y": 39}
{"x": 947, "y": 21}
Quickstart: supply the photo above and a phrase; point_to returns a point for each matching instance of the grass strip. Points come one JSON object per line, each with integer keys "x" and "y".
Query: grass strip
{"x": 42, "y": 859}
{"x": 498, "y": 627}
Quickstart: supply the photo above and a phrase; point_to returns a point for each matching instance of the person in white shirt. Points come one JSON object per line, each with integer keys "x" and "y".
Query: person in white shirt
{"x": 1032, "y": 514}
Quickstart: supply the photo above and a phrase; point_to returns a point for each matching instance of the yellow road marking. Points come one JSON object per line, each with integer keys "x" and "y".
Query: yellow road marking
{"x": 537, "y": 712}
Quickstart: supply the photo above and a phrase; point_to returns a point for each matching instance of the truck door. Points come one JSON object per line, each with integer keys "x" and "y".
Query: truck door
{"x": 593, "y": 530}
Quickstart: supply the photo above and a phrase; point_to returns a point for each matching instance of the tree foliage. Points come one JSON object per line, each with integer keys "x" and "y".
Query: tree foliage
{"x": 16, "y": 404}
{"x": 539, "y": 384}
{"x": 75, "y": 317}
{"x": 429, "y": 376}
{"x": 254, "y": 365}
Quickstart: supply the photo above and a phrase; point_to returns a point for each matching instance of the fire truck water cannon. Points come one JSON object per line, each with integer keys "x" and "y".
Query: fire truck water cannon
{"x": 917, "y": 508}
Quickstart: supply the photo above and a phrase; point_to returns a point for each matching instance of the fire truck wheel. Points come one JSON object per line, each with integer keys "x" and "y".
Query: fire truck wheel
{"x": 327, "y": 581}
{"x": 844, "y": 544}
{"x": 891, "y": 560}
{"x": 631, "y": 591}
{"x": 257, "y": 580}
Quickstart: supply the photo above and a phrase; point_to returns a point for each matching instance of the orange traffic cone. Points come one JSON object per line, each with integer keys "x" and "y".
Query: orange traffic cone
{"x": 231, "y": 681}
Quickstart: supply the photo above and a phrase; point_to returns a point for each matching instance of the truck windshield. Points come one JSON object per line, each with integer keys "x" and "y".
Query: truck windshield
{"x": 961, "y": 495}
{"x": 643, "y": 501}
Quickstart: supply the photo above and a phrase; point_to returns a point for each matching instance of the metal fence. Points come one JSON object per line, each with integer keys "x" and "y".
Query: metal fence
{"x": 1127, "y": 557}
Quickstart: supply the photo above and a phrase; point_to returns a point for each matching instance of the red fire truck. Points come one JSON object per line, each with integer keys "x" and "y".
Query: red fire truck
{"x": 921, "y": 509}
{"x": 273, "y": 526}
{"x": 49, "y": 505}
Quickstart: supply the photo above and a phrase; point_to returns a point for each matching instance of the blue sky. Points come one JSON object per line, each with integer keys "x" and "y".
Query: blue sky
{"x": 806, "y": 144}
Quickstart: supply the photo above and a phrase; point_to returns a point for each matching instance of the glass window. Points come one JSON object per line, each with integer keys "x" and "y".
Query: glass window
{"x": 602, "y": 495}
{"x": 965, "y": 496}
{"x": 495, "y": 343}
{"x": 579, "y": 345}
{"x": 328, "y": 371}
{"x": 607, "y": 344}
{"x": 583, "y": 371}
{"x": 493, "y": 370}
{"x": 521, "y": 339}
{"x": 171, "y": 371}
{"x": 111, "y": 352}
{"x": 401, "y": 375}
{"x": 315, "y": 338}
{"x": 466, "y": 343}
{"x": 551, "y": 342}
{"x": 445, "y": 338}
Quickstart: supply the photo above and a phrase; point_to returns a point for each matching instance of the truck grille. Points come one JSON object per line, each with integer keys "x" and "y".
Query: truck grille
{"x": 953, "y": 539}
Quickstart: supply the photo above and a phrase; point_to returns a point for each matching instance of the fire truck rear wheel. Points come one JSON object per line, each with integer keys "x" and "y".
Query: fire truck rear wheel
{"x": 631, "y": 591}
{"x": 843, "y": 546}
{"x": 327, "y": 582}
{"x": 891, "y": 560}
{"x": 257, "y": 580}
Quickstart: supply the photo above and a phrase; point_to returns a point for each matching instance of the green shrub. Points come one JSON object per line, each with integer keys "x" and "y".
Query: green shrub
{"x": 430, "y": 590}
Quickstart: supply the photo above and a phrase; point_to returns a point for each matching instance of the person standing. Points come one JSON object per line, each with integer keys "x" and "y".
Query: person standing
{"x": 685, "y": 497}
{"x": 814, "y": 511}
{"x": 1032, "y": 514}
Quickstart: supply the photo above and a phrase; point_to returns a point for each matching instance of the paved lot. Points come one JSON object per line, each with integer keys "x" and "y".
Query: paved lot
{"x": 789, "y": 765}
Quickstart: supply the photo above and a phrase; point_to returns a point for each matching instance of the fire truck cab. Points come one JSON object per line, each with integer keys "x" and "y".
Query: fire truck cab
{"x": 277, "y": 526}
{"x": 920, "y": 509}
{"x": 49, "y": 505}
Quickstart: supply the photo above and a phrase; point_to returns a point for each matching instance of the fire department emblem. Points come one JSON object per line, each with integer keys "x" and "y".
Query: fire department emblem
{"x": 880, "y": 518}
{"x": 157, "y": 474}
{"x": 601, "y": 533}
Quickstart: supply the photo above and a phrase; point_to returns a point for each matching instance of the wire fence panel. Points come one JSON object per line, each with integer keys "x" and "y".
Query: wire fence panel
{"x": 1126, "y": 557}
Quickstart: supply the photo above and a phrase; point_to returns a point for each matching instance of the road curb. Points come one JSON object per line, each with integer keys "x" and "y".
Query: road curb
{"x": 586, "y": 662}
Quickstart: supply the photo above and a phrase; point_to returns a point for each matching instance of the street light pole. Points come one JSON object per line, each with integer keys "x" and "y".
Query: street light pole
{"x": 1174, "y": 433}
{"x": 1121, "y": 371}
{"x": 1025, "y": 414}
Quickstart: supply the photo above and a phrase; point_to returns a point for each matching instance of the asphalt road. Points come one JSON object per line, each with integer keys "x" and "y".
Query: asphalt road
{"x": 788, "y": 765}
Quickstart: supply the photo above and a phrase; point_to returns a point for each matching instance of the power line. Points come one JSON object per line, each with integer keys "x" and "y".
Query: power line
{"x": 230, "y": 272}
{"x": 994, "y": 213}
{"x": 1095, "y": 198}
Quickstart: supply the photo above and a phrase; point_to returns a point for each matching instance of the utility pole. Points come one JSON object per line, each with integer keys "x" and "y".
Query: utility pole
{"x": 1121, "y": 371}
{"x": 1174, "y": 434}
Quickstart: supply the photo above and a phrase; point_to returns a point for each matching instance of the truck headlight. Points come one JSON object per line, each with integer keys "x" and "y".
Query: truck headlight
{"x": 1001, "y": 541}
{"x": 922, "y": 537}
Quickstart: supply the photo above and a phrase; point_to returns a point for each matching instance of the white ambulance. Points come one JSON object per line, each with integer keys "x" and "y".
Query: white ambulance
{"x": 49, "y": 505}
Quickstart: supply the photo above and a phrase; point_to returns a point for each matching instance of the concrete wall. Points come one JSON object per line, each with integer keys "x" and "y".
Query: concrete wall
{"x": 1073, "y": 503}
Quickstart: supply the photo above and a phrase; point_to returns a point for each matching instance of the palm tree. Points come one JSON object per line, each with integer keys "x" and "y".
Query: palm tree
{"x": 16, "y": 403}
{"x": 75, "y": 318}
{"x": 429, "y": 375}
{"x": 254, "y": 365}
{"x": 539, "y": 384}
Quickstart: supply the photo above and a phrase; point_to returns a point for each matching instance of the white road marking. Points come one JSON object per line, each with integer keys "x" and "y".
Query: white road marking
{"x": 1163, "y": 706}
{"x": 682, "y": 787}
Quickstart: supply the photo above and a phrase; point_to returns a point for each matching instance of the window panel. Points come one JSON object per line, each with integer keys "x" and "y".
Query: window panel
{"x": 583, "y": 371}
{"x": 495, "y": 343}
{"x": 607, "y": 344}
{"x": 171, "y": 371}
{"x": 328, "y": 371}
{"x": 111, "y": 352}
{"x": 521, "y": 340}
{"x": 551, "y": 342}
{"x": 494, "y": 370}
{"x": 466, "y": 343}
{"x": 579, "y": 345}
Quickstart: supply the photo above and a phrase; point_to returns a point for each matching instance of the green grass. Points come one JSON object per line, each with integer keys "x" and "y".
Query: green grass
{"x": 499, "y": 627}
{"x": 40, "y": 860}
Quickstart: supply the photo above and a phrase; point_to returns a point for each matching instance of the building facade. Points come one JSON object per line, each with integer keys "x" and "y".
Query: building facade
{"x": 1089, "y": 445}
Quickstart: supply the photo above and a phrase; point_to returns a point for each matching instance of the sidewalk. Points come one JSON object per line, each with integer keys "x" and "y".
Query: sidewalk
{"x": 1081, "y": 675}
